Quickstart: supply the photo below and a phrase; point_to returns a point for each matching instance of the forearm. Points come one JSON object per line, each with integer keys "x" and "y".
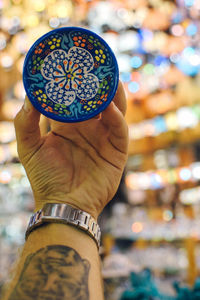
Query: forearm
{"x": 58, "y": 262}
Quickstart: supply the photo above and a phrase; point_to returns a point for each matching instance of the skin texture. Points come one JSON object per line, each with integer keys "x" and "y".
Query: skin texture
{"x": 54, "y": 272}
{"x": 81, "y": 163}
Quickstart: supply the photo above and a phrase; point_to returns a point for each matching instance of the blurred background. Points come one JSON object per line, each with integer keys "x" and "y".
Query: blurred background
{"x": 154, "y": 219}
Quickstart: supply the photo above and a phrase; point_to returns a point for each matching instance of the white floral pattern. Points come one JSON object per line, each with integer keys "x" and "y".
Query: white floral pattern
{"x": 69, "y": 76}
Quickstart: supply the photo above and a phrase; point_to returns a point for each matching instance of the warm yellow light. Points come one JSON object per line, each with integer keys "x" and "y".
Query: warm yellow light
{"x": 13, "y": 149}
{"x": 171, "y": 121}
{"x": 2, "y": 154}
{"x": 33, "y": 33}
{"x": 6, "y": 61}
{"x": 16, "y": 2}
{"x": 5, "y": 176}
{"x": 10, "y": 108}
{"x": 19, "y": 91}
{"x": 167, "y": 215}
{"x": 32, "y": 21}
{"x": 20, "y": 64}
{"x": 64, "y": 10}
{"x": 39, "y": 5}
{"x": 137, "y": 227}
{"x": 131, "y": 181}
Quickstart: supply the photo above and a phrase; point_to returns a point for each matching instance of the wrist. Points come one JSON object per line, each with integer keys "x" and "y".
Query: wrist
{"x": 84, "y": 205}
{"x": 62, "y": 236}
{"x": 57, "y": 233}
{"x": 66, "y": 214}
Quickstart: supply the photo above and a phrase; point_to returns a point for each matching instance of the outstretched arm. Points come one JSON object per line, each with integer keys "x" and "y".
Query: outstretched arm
{"x": 78, "y": 164}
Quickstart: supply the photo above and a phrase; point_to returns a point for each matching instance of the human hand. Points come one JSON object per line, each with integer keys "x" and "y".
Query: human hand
{"x": 80, "y": 164}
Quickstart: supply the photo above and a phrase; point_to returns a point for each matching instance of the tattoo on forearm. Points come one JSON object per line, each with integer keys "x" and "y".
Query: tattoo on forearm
{"x": 53, "y": 273}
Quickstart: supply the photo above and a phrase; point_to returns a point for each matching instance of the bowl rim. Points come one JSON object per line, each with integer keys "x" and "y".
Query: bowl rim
{"x": 54, "y": 116}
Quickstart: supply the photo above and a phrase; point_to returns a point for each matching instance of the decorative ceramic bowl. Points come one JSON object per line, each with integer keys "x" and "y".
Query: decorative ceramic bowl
{"x": 70, "y": 74}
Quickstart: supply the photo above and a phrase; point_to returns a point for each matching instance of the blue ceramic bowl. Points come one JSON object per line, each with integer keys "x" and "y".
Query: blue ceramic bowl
{"x": 70, "y": 74}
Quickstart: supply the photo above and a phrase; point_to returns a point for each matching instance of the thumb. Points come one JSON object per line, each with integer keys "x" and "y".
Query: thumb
{"x": 27, "y": 130}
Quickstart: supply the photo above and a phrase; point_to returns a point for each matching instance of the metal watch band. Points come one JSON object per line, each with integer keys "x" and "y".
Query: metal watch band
{"x": 66, "y": 214}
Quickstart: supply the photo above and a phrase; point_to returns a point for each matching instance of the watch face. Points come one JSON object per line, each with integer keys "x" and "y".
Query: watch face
{"x": 70, "y": 74}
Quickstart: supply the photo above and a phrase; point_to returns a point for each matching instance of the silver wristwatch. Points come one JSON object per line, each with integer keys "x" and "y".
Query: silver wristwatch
{"x": 66, "y": 214}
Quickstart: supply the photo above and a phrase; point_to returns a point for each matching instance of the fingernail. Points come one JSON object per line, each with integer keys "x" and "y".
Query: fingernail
{"x": 27, "y": 105}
